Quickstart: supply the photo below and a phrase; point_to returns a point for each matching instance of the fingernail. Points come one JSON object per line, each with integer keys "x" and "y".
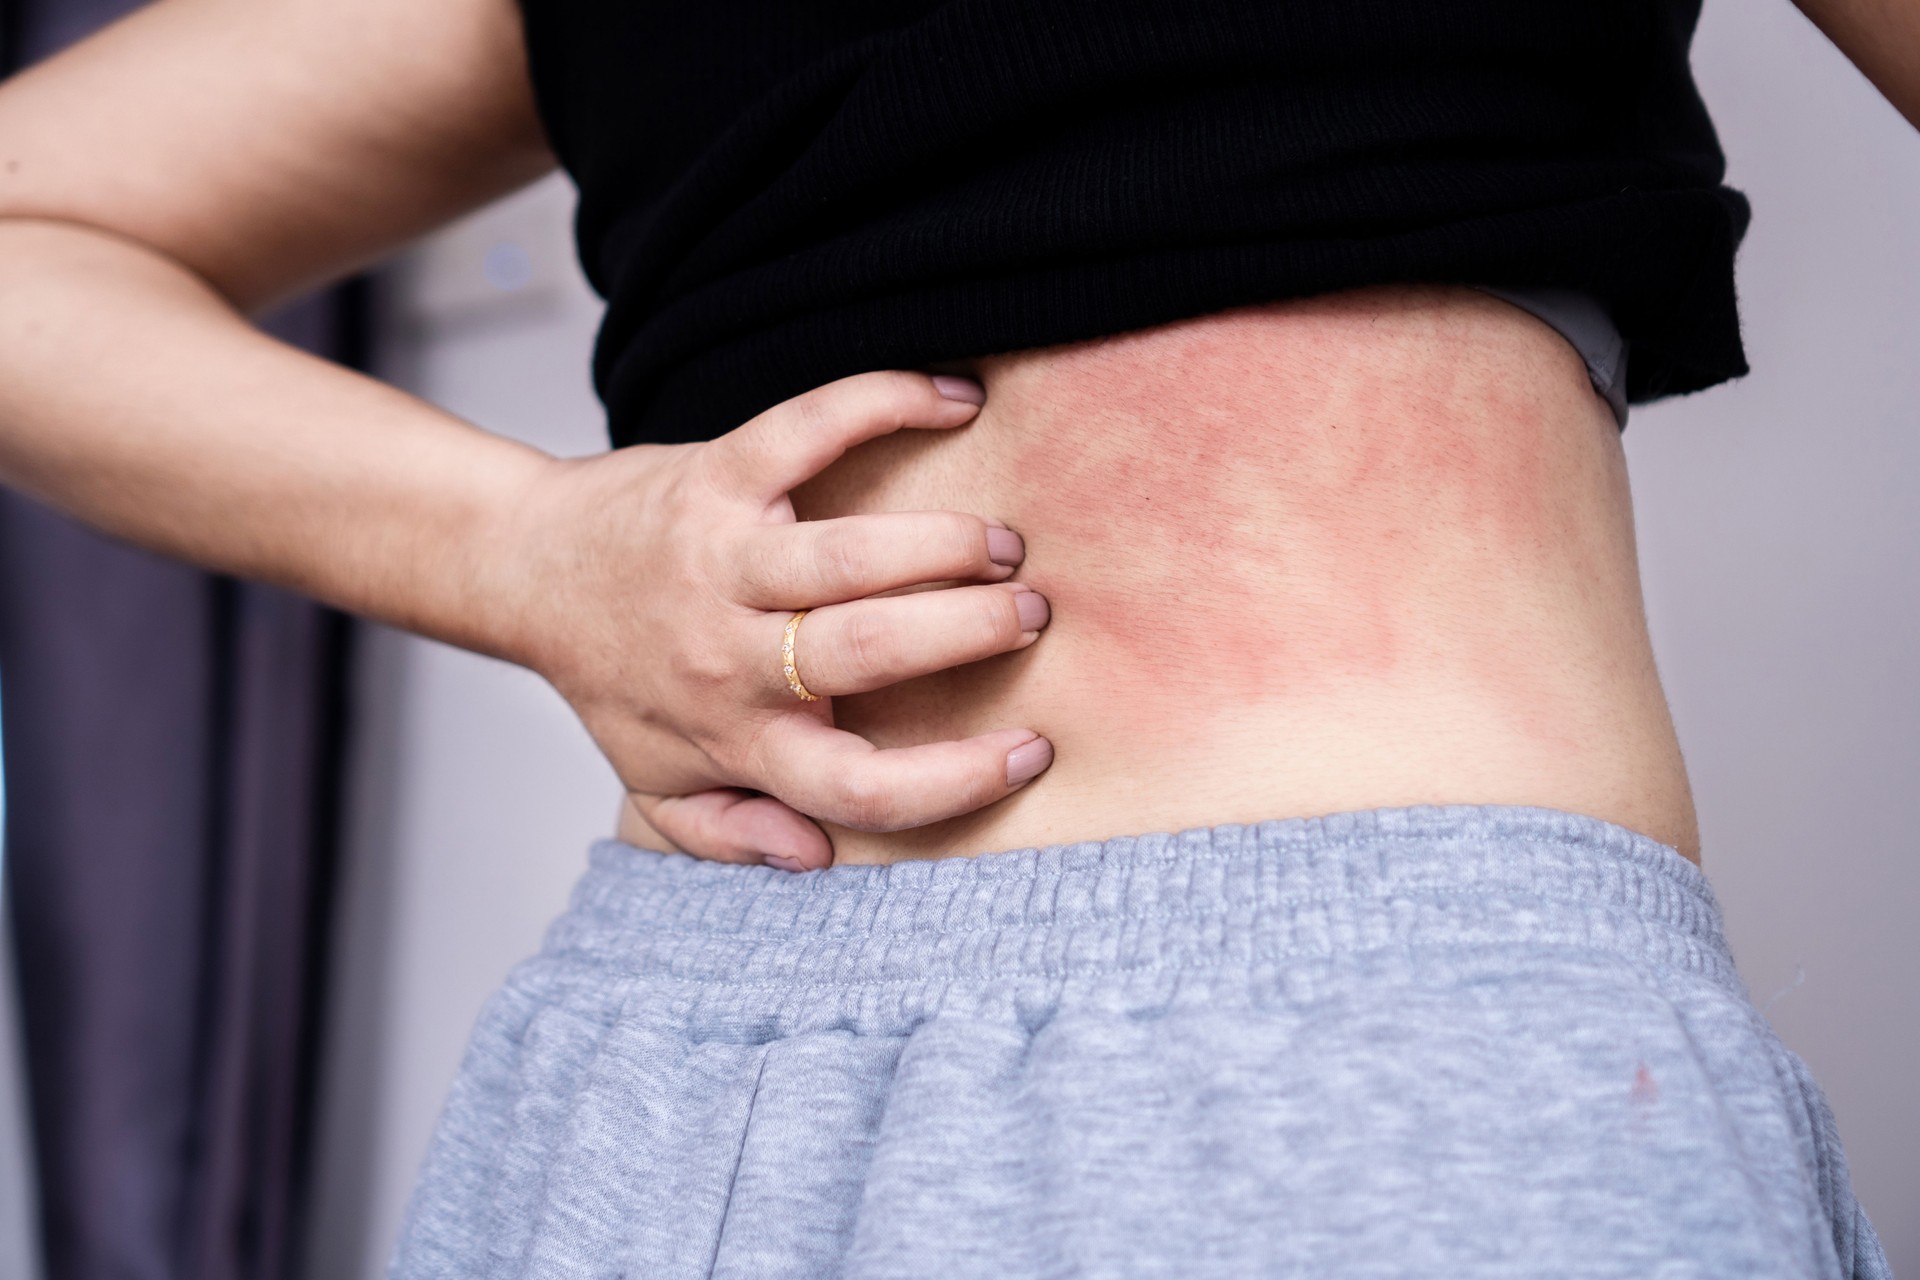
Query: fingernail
{"x": 1025, "y": 762}
{"x": 1033, "y": 610}
{"x": 965, "y": 390}
{"x": 1004, "y": 546}
{"x": 785, "y": 863}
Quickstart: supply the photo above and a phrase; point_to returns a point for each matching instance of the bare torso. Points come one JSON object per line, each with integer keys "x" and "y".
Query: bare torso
{"x": 1369, "y": 550}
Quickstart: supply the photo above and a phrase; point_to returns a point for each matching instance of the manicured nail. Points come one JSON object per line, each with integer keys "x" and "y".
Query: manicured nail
{"x": 1025, "y": 762}
{"x": 1004, "y": 546}
{"x": 1033, "y": 610}
{"x": 965, "y": 390}
{"x": 785, "y": 863}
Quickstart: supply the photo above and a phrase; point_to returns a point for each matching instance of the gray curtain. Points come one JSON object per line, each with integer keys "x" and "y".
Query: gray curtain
{"x": 172, "y": 744}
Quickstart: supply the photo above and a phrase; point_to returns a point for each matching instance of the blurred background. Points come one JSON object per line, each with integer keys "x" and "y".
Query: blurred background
{"x": 287, "y": 998}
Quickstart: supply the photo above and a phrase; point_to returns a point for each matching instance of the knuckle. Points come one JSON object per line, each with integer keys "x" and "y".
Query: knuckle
{"x": 813, "y": 412}
{"x": 706, "y": 670}
{"x": 902, "y": 392}
{"x": 726, "y": 664}
{"x": 714, "y": 462}
{"x": 1000, "y": 621}
{"x": 958, "y": 543}
{"x": 840, "y": 558}
{"x": 864, "y": 804}
{"x": 682, "y": 506}
{"x": 981, "y": 788}
{"x": 732, "y": 754}
{"x": 893, "y": 396}
{"x": 725, "y": 465}
{"x": 764, "y": 567}
{"x": 867, "y": 645}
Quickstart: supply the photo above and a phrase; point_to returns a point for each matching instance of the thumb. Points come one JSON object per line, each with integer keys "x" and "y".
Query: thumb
{"x": 727, "y": 824}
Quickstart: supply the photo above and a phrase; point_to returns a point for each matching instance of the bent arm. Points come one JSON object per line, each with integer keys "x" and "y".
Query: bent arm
{"x": 208, "y": 157}
{"x": 136, "y": 398}
{"x": 1882, "y": 38}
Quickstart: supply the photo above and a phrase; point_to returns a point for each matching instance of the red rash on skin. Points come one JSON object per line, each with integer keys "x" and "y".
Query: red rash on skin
{"x": 1366, "y": 549}
{"x": 1221, "y": 501}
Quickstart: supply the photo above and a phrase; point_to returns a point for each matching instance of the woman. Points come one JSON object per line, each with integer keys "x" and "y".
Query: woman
{"x": 1305, "y": 460}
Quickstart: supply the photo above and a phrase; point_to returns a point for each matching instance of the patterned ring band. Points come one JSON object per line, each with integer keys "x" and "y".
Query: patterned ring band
{"x": 800, "y": 691}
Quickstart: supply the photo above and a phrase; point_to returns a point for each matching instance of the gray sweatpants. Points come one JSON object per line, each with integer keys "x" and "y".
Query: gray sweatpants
{"x": 1425, "y": 1042}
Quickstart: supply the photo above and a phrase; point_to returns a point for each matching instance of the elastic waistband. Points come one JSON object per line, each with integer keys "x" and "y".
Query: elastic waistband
{"x": 1229, "y": 896}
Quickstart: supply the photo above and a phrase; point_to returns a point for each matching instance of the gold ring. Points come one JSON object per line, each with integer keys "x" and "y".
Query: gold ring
{"x": 800, "y": 691}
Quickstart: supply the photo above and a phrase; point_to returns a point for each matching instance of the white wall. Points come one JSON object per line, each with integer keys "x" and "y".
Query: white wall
{"x": 1780, "y": 526}
{"x": 1780, "y": 533}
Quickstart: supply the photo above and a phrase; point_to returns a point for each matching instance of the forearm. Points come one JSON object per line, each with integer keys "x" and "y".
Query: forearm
{"x": 135, "y": 398}
{"x": 1882, "y": 38}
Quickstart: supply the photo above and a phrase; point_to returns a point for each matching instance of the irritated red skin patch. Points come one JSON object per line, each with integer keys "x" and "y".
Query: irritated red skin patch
{"x": 1254, "y": 517}
{"x": 1226, "y": 501}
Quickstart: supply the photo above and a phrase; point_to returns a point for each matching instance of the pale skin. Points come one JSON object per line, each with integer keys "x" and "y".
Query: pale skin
{"x": 207, "y": 158}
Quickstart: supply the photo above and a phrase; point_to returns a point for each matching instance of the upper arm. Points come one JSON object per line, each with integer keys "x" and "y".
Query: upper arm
{"x": 1882, "y": 38}
{"x": 268, "y": 145}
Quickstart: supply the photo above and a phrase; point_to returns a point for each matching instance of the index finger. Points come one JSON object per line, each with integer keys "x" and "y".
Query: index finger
{"x": 797, "y": 439}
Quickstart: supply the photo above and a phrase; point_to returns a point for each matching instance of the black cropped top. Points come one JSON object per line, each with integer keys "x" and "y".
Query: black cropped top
{"x": 777, "y": 193}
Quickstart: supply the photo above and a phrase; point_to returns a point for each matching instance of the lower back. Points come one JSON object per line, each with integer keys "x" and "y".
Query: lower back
{"x": 1367, "y": 550}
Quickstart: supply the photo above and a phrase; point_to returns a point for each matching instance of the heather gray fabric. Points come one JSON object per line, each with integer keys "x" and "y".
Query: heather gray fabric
{"x": 1459, "y": 1042}
{"x": 1583, "y": 320}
